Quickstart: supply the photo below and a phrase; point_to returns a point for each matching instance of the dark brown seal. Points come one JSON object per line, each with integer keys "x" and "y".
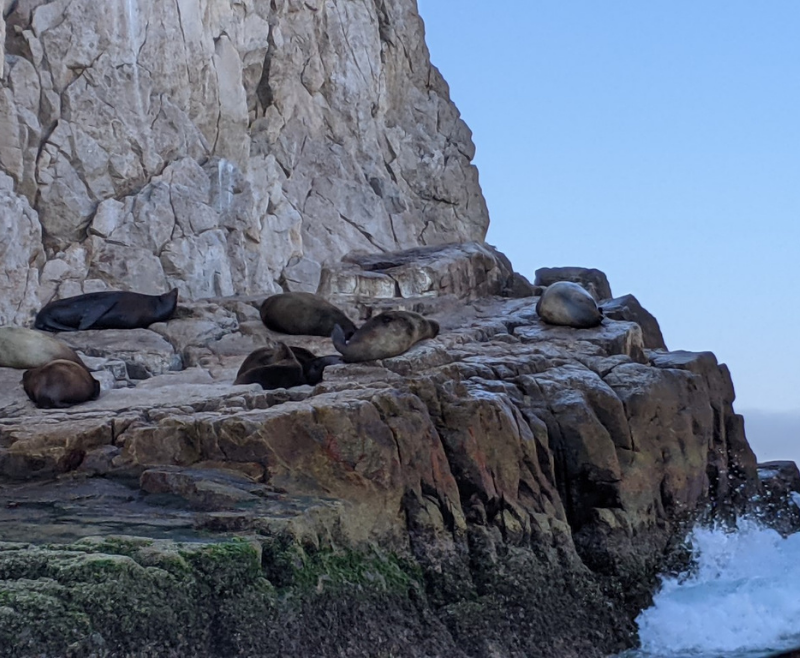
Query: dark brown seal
{"x": 272, "y": 367}
{"x": 28, "y": 348}
{"x": 60, "y": 384}
{"x": 116, "y": 309}
{"x": 303, "y": 313}
{"x": 270, "y": 355}
{"x": 387, "y": 334}
{"x": 276, "y": 366}
{"x": 568, "y": 304}
{"x": 278, "y": 375}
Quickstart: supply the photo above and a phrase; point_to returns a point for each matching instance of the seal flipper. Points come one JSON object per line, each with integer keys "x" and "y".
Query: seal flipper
{"x": 93, "y": 313}
{"x": 51, "y": 325}
{"x": 339, "y": 341}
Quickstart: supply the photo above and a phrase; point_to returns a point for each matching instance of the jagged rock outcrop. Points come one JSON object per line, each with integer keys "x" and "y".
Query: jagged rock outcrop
{"x": 779, "y": 504}
{"x": 522, "y": 484}
{"x": 220, "y": 149}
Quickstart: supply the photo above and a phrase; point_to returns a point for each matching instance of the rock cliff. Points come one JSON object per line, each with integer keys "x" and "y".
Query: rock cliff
{"x": 508, "y": 488}
{"x": 221, "y": 148}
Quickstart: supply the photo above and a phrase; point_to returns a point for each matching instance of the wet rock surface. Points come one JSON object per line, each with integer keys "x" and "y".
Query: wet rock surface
{"x": 505, "y": 470}
{"x": 780, "y": 502}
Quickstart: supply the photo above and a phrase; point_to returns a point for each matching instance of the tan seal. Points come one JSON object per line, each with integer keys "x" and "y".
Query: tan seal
{"x": 570, "y": 305}
{"x": 28, "y": 348}
{"x": 387, "y": 334}
{"x": 303, "y": 313}
{"x": 60, "y": 384}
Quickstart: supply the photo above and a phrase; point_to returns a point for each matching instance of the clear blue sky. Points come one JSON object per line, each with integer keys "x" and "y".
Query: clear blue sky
{"x": 656, "y": 141}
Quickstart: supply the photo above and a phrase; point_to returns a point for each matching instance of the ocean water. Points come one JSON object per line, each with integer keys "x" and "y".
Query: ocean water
{"x": 741, "y": 600}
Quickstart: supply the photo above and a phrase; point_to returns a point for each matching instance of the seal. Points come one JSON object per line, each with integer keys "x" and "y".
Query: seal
{"x": 116, "y": 309}
{"x": 272, "y": 355}
{"x": 303, "y": 313}
{"x": 388, "y": 334}
{"x": 278, "y": 375}
{"x": 60, "y": 384}
{"x": 570, "y": 305}
{"x": 27, "y": 348}
{"x": 281, "y": 359}
{"x": 271, "y": 367}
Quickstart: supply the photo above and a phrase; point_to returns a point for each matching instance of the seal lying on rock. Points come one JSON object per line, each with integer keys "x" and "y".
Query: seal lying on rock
{"x": 283, "y": 366}
{"x": 568, "y": 304}
{"x": 60, "y": 384}
{"x": 303, "y": 313}
{"x": 27, "y": 348}
{"x": 116, "y": 309}
{"x": 388, "y": 334}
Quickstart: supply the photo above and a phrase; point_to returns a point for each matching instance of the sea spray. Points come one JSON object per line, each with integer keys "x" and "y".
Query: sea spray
{"x": 742, "y": 598}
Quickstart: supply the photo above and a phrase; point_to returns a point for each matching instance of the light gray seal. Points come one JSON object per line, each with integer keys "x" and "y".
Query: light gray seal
{"x": 388, "y": 334}
{"x": 570, "y": 305}
{"x": 303, "y": 313}
{"x": 60, "y": 384}
{"x": 27, "y": 348}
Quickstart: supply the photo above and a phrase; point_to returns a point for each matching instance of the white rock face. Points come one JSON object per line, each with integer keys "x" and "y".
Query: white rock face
{"x": 222, "y": 148}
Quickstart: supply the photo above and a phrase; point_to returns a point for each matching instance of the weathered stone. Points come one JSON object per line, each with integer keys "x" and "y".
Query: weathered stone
{"x": 780, "y": 504}
{"x": 205, "y": 489}
{"x": 144, "y": 352}
{"x": 628, "y": 308}
{"x": 21, "y": 253}
{"x": 593, "y": 280}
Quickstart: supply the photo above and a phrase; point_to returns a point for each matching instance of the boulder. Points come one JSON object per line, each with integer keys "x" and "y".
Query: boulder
{"x": 593, "y": 280}
{"x": 780, "y": 506}
{"x": 628, "y": 308}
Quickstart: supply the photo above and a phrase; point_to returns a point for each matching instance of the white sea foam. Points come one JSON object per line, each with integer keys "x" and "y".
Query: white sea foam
{"x": 743, "y": 599}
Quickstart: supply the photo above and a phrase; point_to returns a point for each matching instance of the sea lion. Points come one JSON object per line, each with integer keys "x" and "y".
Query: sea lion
{"x": 28, "y": 348}
{"x": 270, "y": 355}
{"x": 283, "y": 355}
{"x": 272, "y": 367}
{"x": 303, "y": 313}
{"x": 278, "y": 375}
{"x": 117, "y": 309}
{"x": 568, "y": 304}
{"x": 60, "y": 384}
{"x": 388, "y": 334}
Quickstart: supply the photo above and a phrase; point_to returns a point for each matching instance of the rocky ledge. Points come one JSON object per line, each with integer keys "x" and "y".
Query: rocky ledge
{"x": 509, "y": 488}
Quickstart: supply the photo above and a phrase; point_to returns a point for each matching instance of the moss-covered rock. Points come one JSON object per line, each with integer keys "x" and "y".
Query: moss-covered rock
{"x": 123, "y": 596}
